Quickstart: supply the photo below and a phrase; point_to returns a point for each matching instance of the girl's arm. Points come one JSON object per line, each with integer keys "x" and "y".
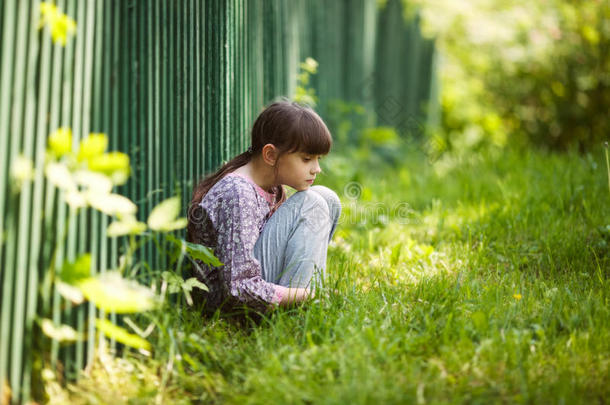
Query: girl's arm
{"x": 233, "y": 213}
{"x": 286, "y": 296}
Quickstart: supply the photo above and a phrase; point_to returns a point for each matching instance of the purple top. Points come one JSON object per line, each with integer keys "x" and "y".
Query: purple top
{"x": 235, "y": 210}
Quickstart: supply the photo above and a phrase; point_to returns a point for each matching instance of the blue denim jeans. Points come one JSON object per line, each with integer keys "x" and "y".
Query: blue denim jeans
{"x": 293, "y": 244}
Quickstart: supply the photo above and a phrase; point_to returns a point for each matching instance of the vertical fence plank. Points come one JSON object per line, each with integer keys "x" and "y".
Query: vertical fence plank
{"x": 198, "y": 101}
{"x": 6, "y": 273}
{"x": 27, "y": 57}
{"x": 54, "y": 225}
{"x": 34, "y": 273}
{"x": 18, "y": 231}
{"x": 6, "y": 76}
{"x": 73, "y": 118}
{"x": 157, "y": 90}
{"x": 86, "y": 14}
{"x": 103, "y": 103}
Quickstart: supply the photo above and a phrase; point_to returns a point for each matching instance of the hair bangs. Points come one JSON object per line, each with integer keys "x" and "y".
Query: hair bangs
{"x": 310, "y": 135}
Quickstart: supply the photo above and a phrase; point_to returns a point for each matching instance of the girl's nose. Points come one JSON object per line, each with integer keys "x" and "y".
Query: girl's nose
{"x": 316, "y": 168}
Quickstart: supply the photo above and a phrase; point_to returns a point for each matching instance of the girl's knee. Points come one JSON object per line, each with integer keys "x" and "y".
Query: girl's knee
{"x": 319, "y": 204}
{"x": 316, "y": 201}
{"x": 331, "y": 198}
{"x": 329, "y": 195}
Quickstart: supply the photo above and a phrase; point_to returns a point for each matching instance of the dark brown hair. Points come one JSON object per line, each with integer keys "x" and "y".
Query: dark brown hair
{"x": 290, "y": 127}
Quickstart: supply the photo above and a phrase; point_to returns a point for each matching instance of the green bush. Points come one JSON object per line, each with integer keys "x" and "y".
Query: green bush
{"x": 523, "y": 71}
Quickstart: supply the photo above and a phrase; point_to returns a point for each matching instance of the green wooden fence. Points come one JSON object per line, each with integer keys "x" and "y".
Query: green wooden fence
{"x": 176, "y": 85}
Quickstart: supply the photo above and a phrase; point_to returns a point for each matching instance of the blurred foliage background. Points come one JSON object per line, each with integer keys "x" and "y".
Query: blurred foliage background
{"x": 515, "y": 71}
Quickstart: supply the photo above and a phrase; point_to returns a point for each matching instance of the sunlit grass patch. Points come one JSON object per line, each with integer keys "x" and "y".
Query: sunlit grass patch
{"x": 117, "y": 380}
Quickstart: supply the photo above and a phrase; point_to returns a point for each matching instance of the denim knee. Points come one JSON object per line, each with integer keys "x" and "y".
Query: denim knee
{"x": 332, "y": 200}
{"x": 320, "y": 208}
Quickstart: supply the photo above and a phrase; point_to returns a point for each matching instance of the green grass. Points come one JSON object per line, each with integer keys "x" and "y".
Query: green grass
{"x": 491, "y": 286}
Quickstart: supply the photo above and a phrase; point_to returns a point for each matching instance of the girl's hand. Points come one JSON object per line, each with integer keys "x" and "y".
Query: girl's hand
{"x": 289, "y": 296}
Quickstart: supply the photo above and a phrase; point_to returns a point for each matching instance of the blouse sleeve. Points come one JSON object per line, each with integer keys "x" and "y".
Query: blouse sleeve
{"x": 237, "y": 232}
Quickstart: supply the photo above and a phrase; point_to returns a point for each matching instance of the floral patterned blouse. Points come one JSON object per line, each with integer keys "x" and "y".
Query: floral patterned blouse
{"x": 235, "y": 210}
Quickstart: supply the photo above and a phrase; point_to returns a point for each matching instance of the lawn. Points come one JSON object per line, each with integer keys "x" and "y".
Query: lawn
{"x": 476, "y": 278}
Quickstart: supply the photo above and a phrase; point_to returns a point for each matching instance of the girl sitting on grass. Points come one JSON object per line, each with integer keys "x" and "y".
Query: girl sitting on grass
{"x": 273, "y": 249}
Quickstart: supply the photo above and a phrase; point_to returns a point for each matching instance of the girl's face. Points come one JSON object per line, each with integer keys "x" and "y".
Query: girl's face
{"x": 298, "y": 170}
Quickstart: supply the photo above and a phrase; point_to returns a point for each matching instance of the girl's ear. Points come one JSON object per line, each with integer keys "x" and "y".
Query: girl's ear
{"x": 270, "y": 154}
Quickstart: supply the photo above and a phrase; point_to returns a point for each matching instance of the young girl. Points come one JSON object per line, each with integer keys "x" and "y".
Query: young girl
{"x": 273, "y": 249}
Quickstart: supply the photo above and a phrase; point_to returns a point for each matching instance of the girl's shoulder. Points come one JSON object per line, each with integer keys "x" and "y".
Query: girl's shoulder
{"x": 243, "y": 187}
{"x": 230, "y": 187}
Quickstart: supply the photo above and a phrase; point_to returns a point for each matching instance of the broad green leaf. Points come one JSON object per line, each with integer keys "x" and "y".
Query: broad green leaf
{"x": 164, "y": 216}
{"x": 61, "y": 333}
{"x": 119, "y": 177}
{"x": 22, "y": 170}
{"x": 121, "y": 335}
{"x": 69, "y": 292}
{"x": 75, "y": 199}
{"x": 202, "y": 253}
{"x": 74, "y": 272}
{"x": 180, "y": 223}
{"x": 196, "y": 251}
{"x": 60, "y": 141}
{"x": 126, "y": 226}
{"x": 59, "y": 175}
{"x": 92, "y": 146}
{"x": 193, "y": 282}
{"x": 113, "y": 293}
{"x": 187, "y": 287}
{"x": 174, "y": 281}
{"x": 115, "y": 165}
{"x": 98, "y": 182}
{"x": 112, "y": 204}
